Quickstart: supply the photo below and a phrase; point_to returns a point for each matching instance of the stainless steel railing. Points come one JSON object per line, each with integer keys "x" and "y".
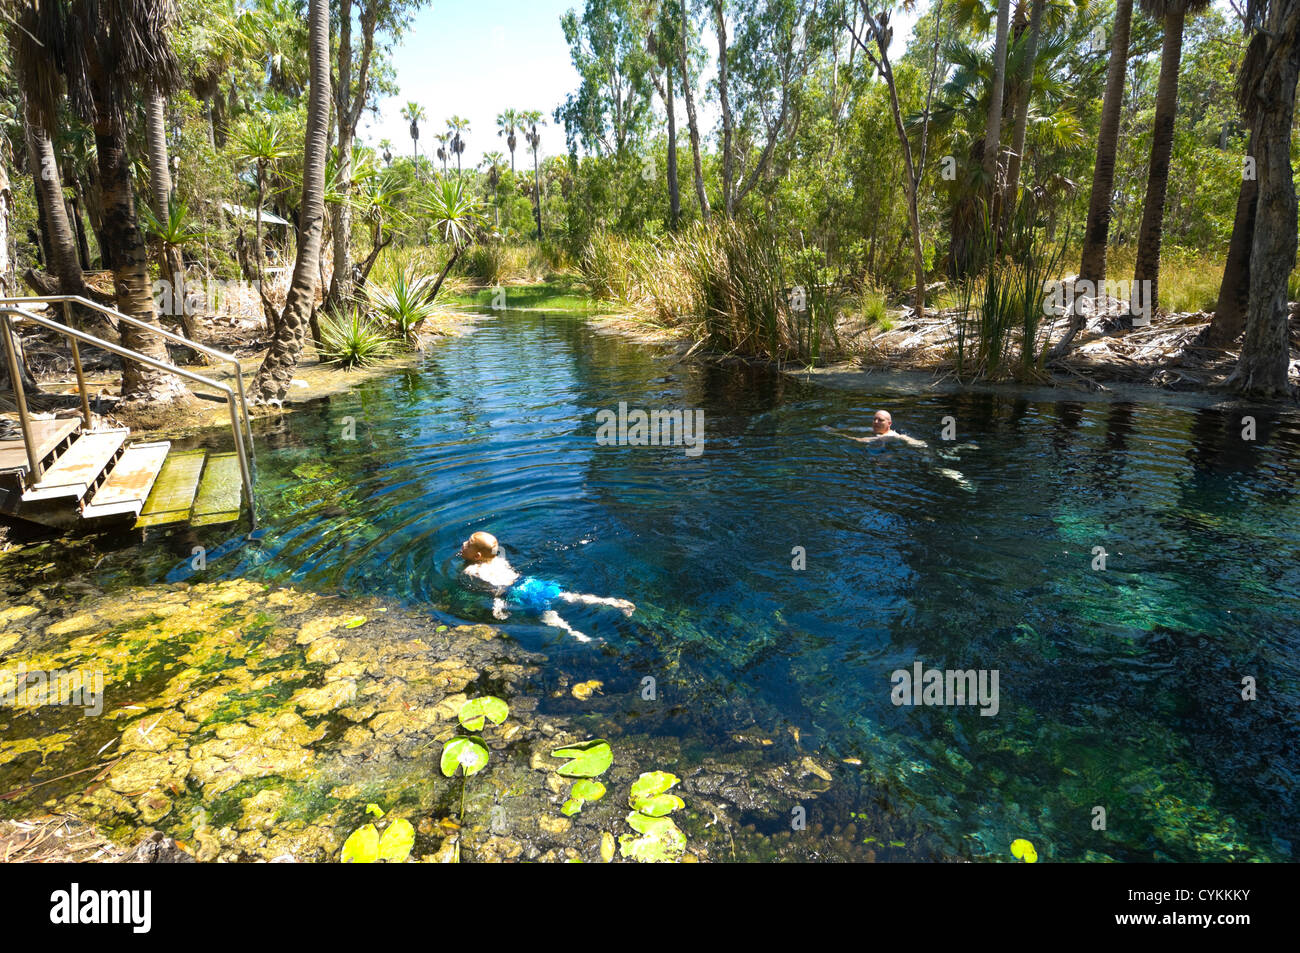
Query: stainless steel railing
{"x": 74, "y": 336}
{"x": 69, "y": 300}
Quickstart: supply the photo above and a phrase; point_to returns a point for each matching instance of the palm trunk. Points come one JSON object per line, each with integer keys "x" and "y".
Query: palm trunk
{"x": 537, "y": 191}
{"x": 993, "y": 125}
{"x": 1234, "y": 291}
{"x": 273, "y": 377}
{"x": 1262, "y": 369}
{"x": 692, "y": 124}
{"x": 1097, "y": 231}
{"x": 1024, "y": 93}
{"x": 1146, "y": 274}
{"x": 341, "y": 282}
{"x": 63, "y": 261}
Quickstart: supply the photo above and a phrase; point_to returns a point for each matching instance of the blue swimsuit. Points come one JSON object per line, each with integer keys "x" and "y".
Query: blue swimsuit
{"x": 534, "y": 594}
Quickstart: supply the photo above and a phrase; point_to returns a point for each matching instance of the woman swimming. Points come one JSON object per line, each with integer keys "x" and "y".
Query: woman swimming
{"x": 486, "y": 567}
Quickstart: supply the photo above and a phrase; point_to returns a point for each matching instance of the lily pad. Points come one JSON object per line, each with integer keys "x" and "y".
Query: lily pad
{"x": 474, "y": 711}
{"x": 590, "y": 759}
{"x": 659, "y": 805}
{"x": 571, "y": 807}
{"x": 661, "y": 841}
{"x": 1022, "y": 849}
{"x": 396, "y": 843}
{"x": 362, "y": 846}
{"x": 652, "y": 783}
{"x": 355, "y": 622}
{"x": 468, "y": 754}
{"x": 586, "y": 790}
{"x": 374, "y": 809}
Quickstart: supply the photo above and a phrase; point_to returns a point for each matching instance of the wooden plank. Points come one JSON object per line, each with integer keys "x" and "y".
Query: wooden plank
{"x": 173, "y": 491}
{"x": 77, "y": 469}
{"x": 220, "y": 491}
{"x": 129, "y": 483}
{"x": 48, "y": 435}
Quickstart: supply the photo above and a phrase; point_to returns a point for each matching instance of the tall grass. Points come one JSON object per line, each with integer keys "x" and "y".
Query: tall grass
{"x": 1004, "y": 304}
{"x": 726, "y": 284}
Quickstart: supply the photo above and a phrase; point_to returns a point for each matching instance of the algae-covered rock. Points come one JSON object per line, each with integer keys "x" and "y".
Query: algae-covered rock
{"x": 331, "y": 695}
{"x": 15, "y": 613}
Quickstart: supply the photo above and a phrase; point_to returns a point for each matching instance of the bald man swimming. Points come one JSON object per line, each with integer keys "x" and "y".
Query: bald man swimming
{"x": 882, "y": 427}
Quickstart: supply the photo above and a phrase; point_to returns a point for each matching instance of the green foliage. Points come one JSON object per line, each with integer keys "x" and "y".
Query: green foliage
{"x": 476, "y": 711}
{"x": 590, "y": 759}
{"x": 660, "y": 840}
{"x": 403, "y": 305}
{"x": 352, "y": 340}
{"x": 366, "y": 845}
{"x": 470, "y": 755}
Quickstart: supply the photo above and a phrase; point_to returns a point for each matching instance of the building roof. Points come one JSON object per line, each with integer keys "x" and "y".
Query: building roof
{"x": 239, "y": 211}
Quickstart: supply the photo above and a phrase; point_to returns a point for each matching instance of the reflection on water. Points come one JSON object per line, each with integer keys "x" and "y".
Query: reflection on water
{"x": 1119, "y": 689}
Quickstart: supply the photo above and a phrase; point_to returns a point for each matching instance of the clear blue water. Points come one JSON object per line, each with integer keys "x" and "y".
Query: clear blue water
{"x": 1119, "y": 689}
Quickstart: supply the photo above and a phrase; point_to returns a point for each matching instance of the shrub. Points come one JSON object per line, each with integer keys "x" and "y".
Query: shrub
{"x": 353, "y": 340}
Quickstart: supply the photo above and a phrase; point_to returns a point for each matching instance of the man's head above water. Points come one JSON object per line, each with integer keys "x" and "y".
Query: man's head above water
{"x": 882, "y": 423}
{"x": 479, "y": 548}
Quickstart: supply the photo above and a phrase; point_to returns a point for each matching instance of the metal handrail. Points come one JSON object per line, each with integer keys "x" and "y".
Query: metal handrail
{"x": 6, "y": 309}
{"x": 69, "y": 300}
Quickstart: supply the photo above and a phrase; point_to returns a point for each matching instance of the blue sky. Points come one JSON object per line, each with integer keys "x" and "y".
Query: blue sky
{"x": 473, "y": 58}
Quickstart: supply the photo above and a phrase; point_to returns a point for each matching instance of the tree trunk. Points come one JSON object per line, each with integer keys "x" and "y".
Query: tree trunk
{"x": 1146, "y": 274}
{"x": 1262, "y": 370}
{"x": 273, "y": 377}
{"x": 1024, "y": 93}
{"x": 1097, "y": 231}
{"x": 124, "y": 246}
{"x": 348, "y": 110}
{"x": 674, "y": 188}
{"x": 728, "y": 158}
{"x": 537, "y": 189}
{"x": 993, "y": 126}
{"x": 692, "y": 124}
{"x": 1234, "y": 291}
{"x": 63, "y": 261}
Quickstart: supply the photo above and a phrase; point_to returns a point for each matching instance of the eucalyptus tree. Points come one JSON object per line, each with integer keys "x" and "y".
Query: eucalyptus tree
{"x": 661, "y": 43}
{"x": 873, "y": 36}
{"x": 276, "y": 372}
{"x": 508, "y": 126}
{"x": 684, "y": 61}
{"x": 1146, "y": 272}
{"x": 1021, "y": 95}
{"x": 612, "y": 106}
{"x": 761, "y": 71}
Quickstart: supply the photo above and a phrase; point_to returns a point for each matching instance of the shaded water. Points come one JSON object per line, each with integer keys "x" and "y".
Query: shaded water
{"x": 1119, "y": 689}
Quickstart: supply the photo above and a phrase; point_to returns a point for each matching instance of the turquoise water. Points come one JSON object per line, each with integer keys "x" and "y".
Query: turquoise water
{"x": 1118, "y": 689}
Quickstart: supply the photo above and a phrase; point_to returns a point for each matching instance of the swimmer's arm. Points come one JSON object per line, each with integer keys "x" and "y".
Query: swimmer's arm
{"x": 839, "y": 433}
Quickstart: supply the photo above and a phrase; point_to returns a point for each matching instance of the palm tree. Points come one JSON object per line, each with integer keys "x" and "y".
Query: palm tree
{"x": 104, "y": 50}
{"x": 1096, "y": 232}
{"x": 386, "y": 147}
{"x": 507, "y": 125}
{"x": 993, "y": 127}
{"x": 260, "y": 141}
{"x": 456, "y": 215}
{"x": 531, "y": 120}
{"x": 172, "y": 234}
{"x": 1146, "y": 274}
{"x": 457, "y": 127}
{"x": 1021, "y": 97}
{"x": 444, "y": 139}
{"x": 273, "y": 377}
{"x": 414, "y": 113}
{"x": 493, "y": 161}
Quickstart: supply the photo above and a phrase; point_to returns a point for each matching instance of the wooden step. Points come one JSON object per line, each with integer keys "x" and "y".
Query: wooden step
{"x": 220, "y": 491}
{"x": 78, "y": 469}
{"x": 47, "y": 434}
{"x": 173, "y": 491}
{"x": 129, "y": 483}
